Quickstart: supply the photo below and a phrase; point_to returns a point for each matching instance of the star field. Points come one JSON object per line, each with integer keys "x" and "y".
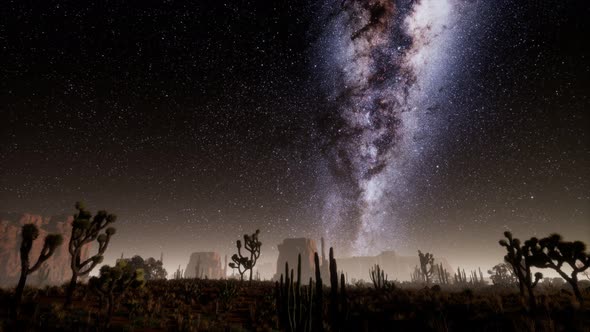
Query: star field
{"x": 198, "y": 122}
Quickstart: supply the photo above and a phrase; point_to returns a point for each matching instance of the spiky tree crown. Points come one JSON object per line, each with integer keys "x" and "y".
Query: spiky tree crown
{"x": 85, "y": 229}
{"x": 53, "y": 241}
{"x": 30, "y": 232}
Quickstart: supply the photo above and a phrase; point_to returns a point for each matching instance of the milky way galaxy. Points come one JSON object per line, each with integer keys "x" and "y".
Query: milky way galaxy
{"x": 380, "y": 60}
{"x": 379, "y": 125}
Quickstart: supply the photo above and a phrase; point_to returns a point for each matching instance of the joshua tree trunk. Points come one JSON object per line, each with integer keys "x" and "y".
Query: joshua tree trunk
{"x": 70, "y": 291}
{"x": 574, "y": 282}
{"x": 24, "y": 271}
{"x": 18, "y": 294}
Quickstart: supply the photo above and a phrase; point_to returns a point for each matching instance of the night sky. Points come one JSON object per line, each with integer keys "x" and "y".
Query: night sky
{"x": 381, "y": 125}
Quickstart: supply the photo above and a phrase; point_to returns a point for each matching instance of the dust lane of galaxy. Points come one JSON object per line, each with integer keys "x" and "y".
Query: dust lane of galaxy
{"x": 380, "y": 60}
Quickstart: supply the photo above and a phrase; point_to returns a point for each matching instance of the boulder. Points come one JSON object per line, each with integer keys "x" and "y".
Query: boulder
{"x": 56, "y": 270}
{"x": 208, "y": 265}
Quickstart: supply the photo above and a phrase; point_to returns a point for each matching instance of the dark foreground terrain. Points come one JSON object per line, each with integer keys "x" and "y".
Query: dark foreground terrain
{"x": 229, "y": 305}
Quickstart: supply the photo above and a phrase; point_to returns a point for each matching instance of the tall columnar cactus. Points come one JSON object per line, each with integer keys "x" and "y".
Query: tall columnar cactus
{"x": 294, "y": 301}
{"x": 333, "y": 308}
{"x": 303, "y": 309}
{"x": 441, "y": 274}
{"x": 246, "y": 262}
{"x": 519, "y": 258}
{"x": 87, "y": 229}
{"x": 318, "y": 309}
{"x": 554, "y": 253}
{"x": 30, "y": 233}
{"x": 379, "y": 278}
{"x": 460, "y": 277}
{"x": 179, "y": 274}
{"x": 338, "y": 309}
{"x": 477, "y": 279}
{"x": 113, "y": 282}
{"x": 426, "y": 266}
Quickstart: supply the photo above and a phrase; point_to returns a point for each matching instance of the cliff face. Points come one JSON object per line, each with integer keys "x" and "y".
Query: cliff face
{"x": 208, "y": 265}
{"x": 56, "y": 270}
{"x": 288, "y": 252}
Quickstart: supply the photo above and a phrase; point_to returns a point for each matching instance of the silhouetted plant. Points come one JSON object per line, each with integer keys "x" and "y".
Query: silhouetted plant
{"x": 426, "y": 266}
{"x": 441, "y": 275}
{"x": 246, "y": 262}
{"x": 519, "y": 258}
{"x": 294, "y": 302}
{"x": 85, "y": 230}
{"x": 318, "y": 308}
{"x": 416, "y": 275}
{"x": 475, "y": 280}
{"x": 30, "y": 233}
{"x": 460, "y": 277}
{"x": 333, "y": 308}
{"x": 379, "y": 278}
{"x": 311, "y": 317}
{"x": 179, "y": 274}
{"x": 113, "y": 282}
{"x": 554, "y": 253}
{"x": 152, "y": 268}
{"x": 503, "y": 275}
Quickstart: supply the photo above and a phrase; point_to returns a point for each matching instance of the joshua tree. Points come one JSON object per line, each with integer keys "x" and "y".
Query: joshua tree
{"x": 113, "y": 282}
{"x": 30, "y": 233}
{"x": 426, "y": 265}
{"x": 554, "y": 253}
{"x": 246, "y": 262}
{"x": 416, "y": 275}
{"x": 519, "y": 258}
{"x": 86, "y": 229}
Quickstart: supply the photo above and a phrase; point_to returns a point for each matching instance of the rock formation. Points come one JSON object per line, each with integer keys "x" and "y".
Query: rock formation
{"x": 395, "y": 266}
{"x": 208, "y": 265}
{"x": 288, "y": 252}
{"x": 57, "y": 268}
